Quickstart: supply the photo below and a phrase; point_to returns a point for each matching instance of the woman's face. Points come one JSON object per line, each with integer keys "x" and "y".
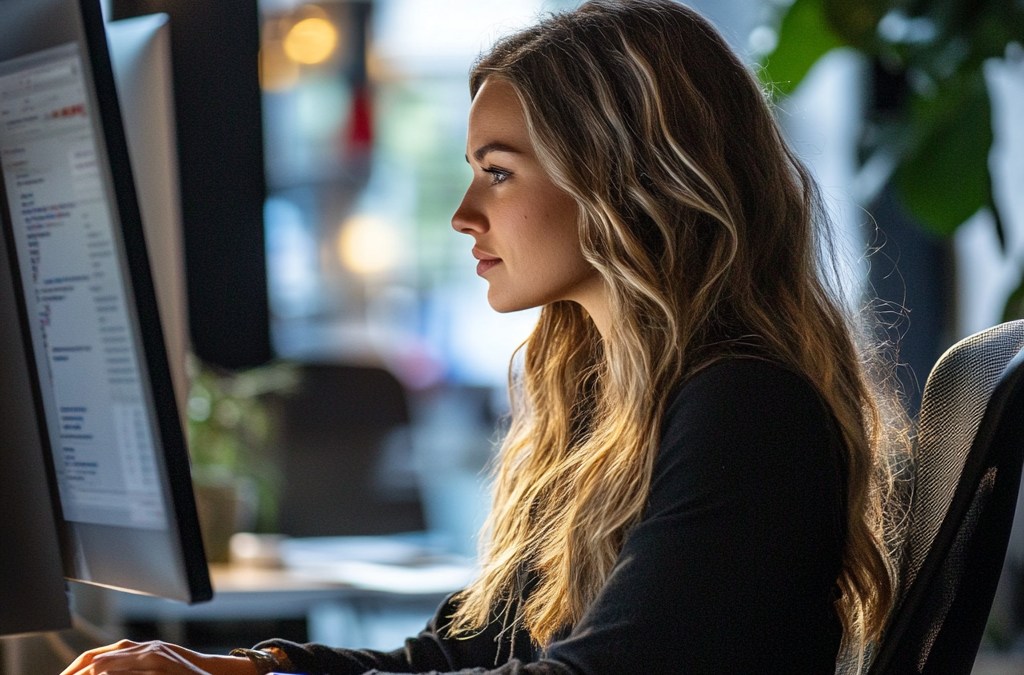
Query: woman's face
{"x": 523, "y": 226}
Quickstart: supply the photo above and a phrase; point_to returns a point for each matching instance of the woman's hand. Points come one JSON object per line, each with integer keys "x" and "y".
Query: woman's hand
{"x": 156, "y": 658}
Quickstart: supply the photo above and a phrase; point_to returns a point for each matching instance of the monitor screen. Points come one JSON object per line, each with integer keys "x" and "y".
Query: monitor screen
{"x": 101, "y": 380}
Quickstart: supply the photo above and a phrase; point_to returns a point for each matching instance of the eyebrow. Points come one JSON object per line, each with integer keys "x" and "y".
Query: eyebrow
{"x": 482, "y": 151}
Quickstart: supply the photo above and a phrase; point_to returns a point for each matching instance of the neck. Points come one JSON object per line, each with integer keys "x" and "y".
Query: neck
{"x": 601, "y": 318}
{"x": 593, "y": 297}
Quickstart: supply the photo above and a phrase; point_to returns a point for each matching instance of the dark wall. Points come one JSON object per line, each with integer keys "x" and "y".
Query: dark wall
{"x": 215, "y": 46}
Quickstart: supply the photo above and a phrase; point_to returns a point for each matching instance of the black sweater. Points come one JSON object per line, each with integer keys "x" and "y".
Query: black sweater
{"x": 732, "y": 568}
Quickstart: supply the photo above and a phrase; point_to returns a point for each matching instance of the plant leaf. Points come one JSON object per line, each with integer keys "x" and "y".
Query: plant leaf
{"x": 804, "y": 36}
{"x": 945, "y": 180}
{"x": 856, "y": 21}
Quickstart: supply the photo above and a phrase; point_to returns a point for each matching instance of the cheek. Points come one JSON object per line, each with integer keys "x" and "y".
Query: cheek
{"x": 541, "y": 235}
{"x": 545, "y": 246}
{"x": 562, "y": 232}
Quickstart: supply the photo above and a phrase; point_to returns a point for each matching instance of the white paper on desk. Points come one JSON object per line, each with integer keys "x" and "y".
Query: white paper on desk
{"x": 425, "y": 579}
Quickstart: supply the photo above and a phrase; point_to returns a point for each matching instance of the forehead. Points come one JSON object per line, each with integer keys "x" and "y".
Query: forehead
{"x": 497, "y": 114}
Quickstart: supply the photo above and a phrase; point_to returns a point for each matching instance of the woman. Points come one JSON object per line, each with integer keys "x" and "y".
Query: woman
{"x": 695, "y": 474}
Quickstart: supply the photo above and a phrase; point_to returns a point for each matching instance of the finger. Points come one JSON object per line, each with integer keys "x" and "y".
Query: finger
{"x": 87, "y": 657}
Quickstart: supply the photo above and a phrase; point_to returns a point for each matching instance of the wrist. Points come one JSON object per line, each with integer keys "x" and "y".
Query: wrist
{"x": 255, "y": 662}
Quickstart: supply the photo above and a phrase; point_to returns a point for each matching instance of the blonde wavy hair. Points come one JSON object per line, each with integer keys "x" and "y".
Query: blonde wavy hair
{"x": 708, "y": 232}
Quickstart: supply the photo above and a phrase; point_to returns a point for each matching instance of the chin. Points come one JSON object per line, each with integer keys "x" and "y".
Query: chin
{"x": 503, "y": 304}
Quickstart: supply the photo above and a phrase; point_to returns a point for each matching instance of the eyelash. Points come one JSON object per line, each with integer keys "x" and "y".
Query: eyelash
{"x": 498, "y": 176}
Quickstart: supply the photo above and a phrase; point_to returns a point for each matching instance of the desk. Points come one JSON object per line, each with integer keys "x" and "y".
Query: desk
{"x": 335, "y": 614}
{"x": 239, "y": 592}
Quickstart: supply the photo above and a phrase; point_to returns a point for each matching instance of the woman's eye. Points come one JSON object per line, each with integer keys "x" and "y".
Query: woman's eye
{"x": 497, "y": 175}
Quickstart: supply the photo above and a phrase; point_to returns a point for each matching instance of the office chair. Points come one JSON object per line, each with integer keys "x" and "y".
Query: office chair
{"x": 970, "y": 450}
{"x": 346, "y": 458}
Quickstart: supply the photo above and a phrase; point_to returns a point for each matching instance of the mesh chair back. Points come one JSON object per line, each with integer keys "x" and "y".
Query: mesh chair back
{"x": 954, "y": 401}
{"x": 970, "y": 448}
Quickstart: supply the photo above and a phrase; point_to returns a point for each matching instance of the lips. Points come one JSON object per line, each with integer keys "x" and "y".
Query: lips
{"x": 487, "y": 261}
{"x": 485, "y": 265}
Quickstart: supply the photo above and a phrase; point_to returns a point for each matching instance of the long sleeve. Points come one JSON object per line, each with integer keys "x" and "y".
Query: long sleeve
{"x": 732, "y": 568}
{"x": 430, "y": 651}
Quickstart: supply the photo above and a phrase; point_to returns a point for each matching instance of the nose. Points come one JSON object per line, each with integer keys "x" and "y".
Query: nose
{"x": 469, "y": 218}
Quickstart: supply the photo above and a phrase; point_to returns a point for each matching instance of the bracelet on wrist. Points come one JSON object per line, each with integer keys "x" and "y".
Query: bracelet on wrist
{"x": 265, "y": 662}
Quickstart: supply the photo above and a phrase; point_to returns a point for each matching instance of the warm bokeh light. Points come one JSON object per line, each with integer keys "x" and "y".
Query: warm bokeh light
{"x": 311, "y": 41}
{"x": 368, "y": 245}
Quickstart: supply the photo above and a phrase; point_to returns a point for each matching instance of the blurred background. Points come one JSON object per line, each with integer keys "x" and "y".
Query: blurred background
{"x": 349, "y": 378}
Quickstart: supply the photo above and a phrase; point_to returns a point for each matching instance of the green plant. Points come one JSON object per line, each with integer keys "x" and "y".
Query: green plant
{"x": 934, "y": 138}
{"x": 231, "y": 428}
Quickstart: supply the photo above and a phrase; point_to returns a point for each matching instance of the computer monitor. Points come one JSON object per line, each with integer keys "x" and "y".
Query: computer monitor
{"x": 30, "y": 569}
{"x": 91, "y": 334}
{"x": 140, "y": 52}
{"x": 223, "y": 185}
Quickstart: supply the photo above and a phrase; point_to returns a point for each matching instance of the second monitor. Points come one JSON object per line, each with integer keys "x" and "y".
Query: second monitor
{"x": 101, "y": 385}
